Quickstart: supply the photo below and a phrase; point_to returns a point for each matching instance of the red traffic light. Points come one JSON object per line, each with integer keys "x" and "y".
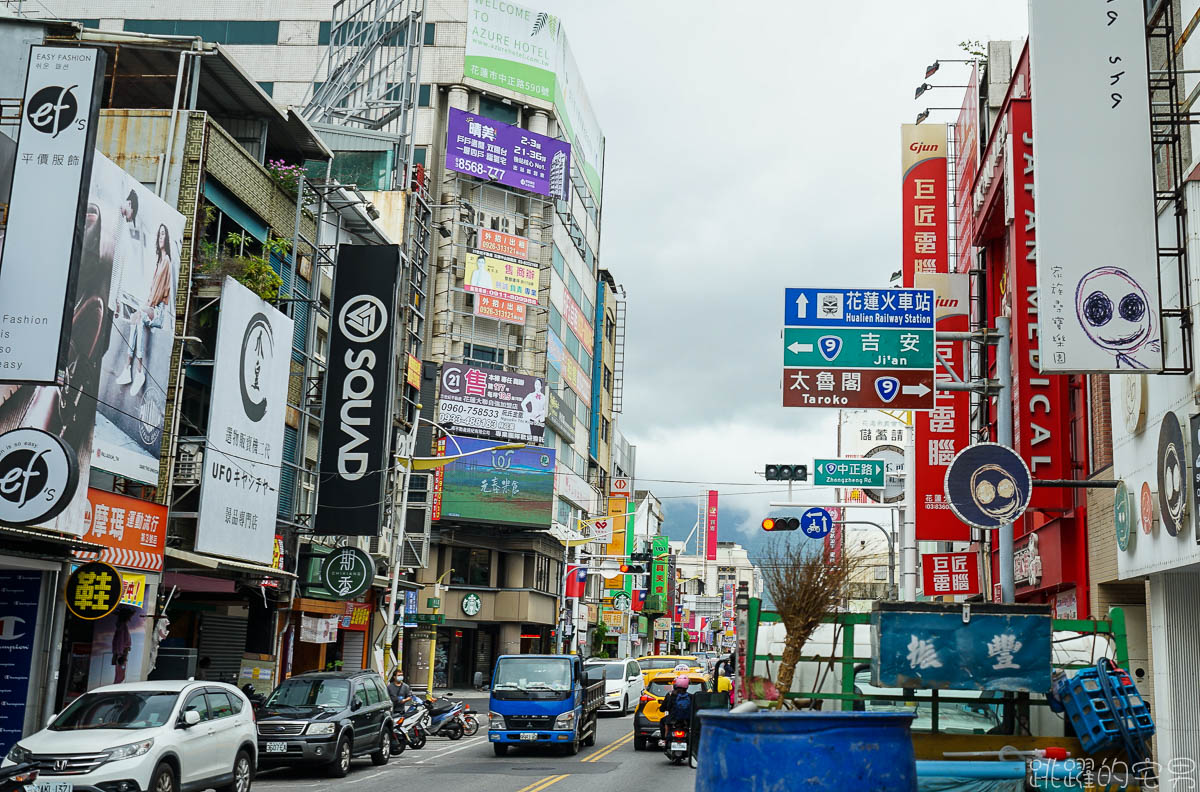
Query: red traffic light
{"x": 781, "y": 524}
{"x": 635, "y": 569}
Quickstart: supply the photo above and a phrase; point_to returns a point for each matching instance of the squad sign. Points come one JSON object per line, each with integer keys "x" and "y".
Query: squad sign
{"x": 38, "y": 476}
{"x": 355, "y": 425}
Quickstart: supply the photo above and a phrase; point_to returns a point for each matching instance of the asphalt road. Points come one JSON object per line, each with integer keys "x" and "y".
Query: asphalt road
{"x": 469, "y": 765}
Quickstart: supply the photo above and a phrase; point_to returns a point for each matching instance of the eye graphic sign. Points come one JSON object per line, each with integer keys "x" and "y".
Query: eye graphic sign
{"x": 1172, "y": 475}
{"x": 988, "y": 485}
{"x": 858, "y": 348}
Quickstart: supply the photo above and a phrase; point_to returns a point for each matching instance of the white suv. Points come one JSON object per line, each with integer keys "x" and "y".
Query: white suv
{"x": 166, "y": 736}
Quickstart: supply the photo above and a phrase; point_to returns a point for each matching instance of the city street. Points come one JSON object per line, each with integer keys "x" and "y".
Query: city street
{"x": 470, "y": 766}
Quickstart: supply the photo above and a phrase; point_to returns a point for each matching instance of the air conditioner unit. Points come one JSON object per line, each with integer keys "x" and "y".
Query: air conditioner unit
{"x": 189, "y": 466}
{"x": 414, "y": 550}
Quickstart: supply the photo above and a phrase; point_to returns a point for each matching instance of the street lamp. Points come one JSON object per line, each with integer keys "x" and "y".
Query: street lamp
{"x": 932, "y": 68}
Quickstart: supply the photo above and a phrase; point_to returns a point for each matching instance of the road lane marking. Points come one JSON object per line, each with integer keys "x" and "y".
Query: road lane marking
{"x": 538, "y": 786}
{"x": 606, "y": 750}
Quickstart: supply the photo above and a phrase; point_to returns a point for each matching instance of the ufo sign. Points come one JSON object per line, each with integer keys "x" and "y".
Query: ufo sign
{"x": 988, "y": 485}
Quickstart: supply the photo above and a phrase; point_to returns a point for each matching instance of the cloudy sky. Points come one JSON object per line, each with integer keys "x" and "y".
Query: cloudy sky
{"x": 747, "y": 152}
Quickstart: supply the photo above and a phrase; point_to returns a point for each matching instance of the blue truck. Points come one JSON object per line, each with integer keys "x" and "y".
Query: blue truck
{"x": 542, "y": 700}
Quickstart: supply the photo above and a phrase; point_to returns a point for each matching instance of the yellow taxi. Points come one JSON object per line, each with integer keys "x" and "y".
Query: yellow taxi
{"x": 648, "y": 713}
{"x": 654, "y": 663}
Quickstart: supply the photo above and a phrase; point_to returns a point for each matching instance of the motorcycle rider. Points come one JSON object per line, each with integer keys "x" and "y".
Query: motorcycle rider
{"x": 676, "y": 706}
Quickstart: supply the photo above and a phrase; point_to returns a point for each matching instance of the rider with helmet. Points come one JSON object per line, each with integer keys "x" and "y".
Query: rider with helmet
{"x": 677, "y": 705}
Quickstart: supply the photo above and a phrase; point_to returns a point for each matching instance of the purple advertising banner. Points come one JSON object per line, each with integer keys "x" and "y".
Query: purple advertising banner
{"x": 506, "y": 154}
{"x": 489, "y": 403}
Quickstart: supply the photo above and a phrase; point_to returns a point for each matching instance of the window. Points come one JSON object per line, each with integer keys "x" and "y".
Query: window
{"x": 555, "y": 321}
{"x": 585, "y": 359}
{"x": 478, "y": 353}
{"x": 375, "y": 693}
{"x": 574, "y": 288}
{"x": 604, "y": 429}
{"x": 610, "y": 328}
{"x": 472, "y": 566}
{"x": 302, "y": 692}
{"x": 369, "y": 170}
{"x": 216, "y": 31}
{"x": 589, "y": 310}
{"x": 126, "y": 709}
{"x": 430, "y": 31}
{"x": 323, "y": 33}
{"x": 608, "y": 378}
{"x": 560, "y": 264}
{"x": 88, "y": 23}
{"x": 197, "y": 703}
{"x": 420, "y": 153}
{"x": 572, "y": 344}
{"x": 424, "y": 92}
{"x": 218, "y": 704}
{"x": 497, "y": 110}
{"x": 268, "y": 88}
{"x": 360, "y": 693}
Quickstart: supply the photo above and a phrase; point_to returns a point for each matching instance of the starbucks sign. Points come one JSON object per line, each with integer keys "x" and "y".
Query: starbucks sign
{"x": 347, "y": 572}
{"x": 471, "y": 604}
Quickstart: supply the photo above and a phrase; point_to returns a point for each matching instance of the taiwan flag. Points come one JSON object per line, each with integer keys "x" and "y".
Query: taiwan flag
{"x": 679, "y": 613}
{"x": 639, "y": 599}
{"x": 576, "y": 580}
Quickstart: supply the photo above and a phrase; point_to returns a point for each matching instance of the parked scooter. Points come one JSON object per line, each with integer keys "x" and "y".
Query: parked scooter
{"x": 468, "y": 720}
{"x": 410, "y": 728}
{"x": 19, "y": 777}
{"x": 676, "y": 747}
{"x": 444, "y": 718}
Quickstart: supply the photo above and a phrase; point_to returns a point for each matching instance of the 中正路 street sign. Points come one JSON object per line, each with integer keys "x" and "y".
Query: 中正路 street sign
{"x": 814, "y": 347}
{"x": 895, "y": 308}
{"x": 848, "y": 473}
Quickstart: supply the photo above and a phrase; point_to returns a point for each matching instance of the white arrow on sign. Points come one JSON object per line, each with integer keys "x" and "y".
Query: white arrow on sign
{"x": 802, "y": 305}
{"x": 796, "y": 347}
{"x": 916, "y": 390}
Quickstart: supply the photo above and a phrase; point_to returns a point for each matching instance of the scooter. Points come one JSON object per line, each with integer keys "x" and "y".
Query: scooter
{"x": 19, "y": 777}
{"x": 410, "y": 728}
{"x": 468, "y": 720}
{"x": 676, "y": 747}
{"x": 444, "y": 718}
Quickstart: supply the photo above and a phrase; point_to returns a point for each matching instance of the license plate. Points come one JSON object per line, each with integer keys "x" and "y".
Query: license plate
{"x": 276, "y": 747}
{"x": 528, "y": 736}
{"x": 678, "y": 746}
{"x": 53, "y": 786}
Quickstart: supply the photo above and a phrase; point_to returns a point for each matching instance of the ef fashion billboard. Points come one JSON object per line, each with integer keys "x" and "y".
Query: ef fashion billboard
{"x": 239, "y": 491}
{"x": 492, "y": 403}
{"x": 46, "y": 222}
{"x": 525, "y": 52}
{"x": 141, "y": 235}
{"x": 356, "y": 427}
{"x": 515, "y": 487}
{"x": 1098, "y": 299}
{"x": 478, "y": 146}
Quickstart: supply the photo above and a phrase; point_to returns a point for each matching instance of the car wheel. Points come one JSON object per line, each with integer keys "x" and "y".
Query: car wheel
{"x": 624, "y": 706}
{"x": 341, "y": 760}
{"x": 639, "y": 743}
{"x": 163, "y": 779}
{"x": 499, "y": 749}
{"x": 380, "y": 757}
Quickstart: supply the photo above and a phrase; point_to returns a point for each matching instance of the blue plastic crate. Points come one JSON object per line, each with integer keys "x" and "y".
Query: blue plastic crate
{"x": 1096, "y": 722}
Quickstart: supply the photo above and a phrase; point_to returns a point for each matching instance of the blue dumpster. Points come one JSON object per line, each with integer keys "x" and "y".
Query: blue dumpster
{"x": 768, "y": 751}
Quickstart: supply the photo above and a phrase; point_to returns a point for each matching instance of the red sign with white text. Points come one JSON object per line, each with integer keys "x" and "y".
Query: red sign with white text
{"x": 710, "y": 527}
{"x": 1041, "y": 414}
{"x": 499, "y": 242}
{"x": 133, "y": 532}
{"x": 924, "y": 240}
{"x": 835, "y": 539}
{"x": 500, "y": 308}
{"x": 949, "y": 573}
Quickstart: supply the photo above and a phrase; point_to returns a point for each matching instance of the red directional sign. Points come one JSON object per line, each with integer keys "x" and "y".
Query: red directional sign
{"x": 871, "y": 389}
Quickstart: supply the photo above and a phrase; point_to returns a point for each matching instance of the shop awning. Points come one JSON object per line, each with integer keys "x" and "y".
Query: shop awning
{"x": 63, "y": 542}
{"x": 385, "y": 583}
{"x": 226, "y": 565}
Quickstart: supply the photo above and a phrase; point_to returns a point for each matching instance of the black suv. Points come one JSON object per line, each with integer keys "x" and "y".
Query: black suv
{"x": 326, "y": 718}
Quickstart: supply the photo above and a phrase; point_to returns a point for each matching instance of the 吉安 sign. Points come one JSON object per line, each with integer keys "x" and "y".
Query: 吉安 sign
{"x": 848, "y": 472}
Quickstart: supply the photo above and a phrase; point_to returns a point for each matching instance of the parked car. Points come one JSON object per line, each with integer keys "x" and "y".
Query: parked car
{"x": 164, "y": 736}
{"x": 326, "y": 718}
{"x": 623, "y": 683}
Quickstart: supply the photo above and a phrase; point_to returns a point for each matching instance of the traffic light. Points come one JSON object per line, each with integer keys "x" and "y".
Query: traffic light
{"x": 632, "y": 569}
{"x": 639, "y": 557}
{"x": 787, "y": 472}
{"x": 781, "y": 523}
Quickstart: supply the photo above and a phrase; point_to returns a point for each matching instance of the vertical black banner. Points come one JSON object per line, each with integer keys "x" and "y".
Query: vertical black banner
{"x": 356, "y": 421}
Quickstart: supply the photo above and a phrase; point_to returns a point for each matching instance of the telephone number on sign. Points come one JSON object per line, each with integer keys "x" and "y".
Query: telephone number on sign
{"x": 464, "y": 165}
{"x": 458, "y": 409}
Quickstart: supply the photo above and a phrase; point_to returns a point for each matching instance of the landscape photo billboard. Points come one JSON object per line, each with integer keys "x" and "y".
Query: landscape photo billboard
{"x": 513, "y": 486}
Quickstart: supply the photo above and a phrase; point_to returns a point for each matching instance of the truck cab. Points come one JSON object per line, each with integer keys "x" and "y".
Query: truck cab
{"x": 542, "y": 700}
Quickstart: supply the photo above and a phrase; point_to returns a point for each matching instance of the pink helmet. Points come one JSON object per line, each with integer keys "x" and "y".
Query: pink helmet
{"x": 682, "y": 682}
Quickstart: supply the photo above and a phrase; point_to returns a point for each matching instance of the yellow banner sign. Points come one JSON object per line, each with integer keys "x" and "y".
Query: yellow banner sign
{"x": 501, "y": 277}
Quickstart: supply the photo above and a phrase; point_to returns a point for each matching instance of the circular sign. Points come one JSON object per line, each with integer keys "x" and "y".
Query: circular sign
{"x": 362, "y": 319}
{"x": 347, "y": 572}
{"x": 93, "y": 591}
{"x": 893, "y": 462}
{"x": 471, "y": 604}
{"x": 988, "y": 485}
{"x": 52, "y": 109}
{"x": 816, "y": 523}
{"x": 1148, "y": 509}
{"x": 621, "y": 601}
{"x": 38, "y": 476}
{"x": 1172, "y": 475}
{"x": 1133, "y": 392}
{"x": 258, "y": 350}
{"x": 1123, "y": 516}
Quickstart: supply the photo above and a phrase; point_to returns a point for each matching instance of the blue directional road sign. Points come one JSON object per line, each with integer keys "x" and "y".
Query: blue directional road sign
{"x": 893, "y": 308}
{"x": 816, "y": 523}
{"x": 988, "y": 485}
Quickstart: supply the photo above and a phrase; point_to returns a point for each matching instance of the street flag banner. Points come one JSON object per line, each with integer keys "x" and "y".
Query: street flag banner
{"x": 710, "y": 527}
{"x": 639, "y": 600}
{"x": 576, "y": 580}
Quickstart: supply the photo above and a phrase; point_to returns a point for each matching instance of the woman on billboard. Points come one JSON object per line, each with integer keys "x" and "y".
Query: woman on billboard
{"x": 149, "y": 316}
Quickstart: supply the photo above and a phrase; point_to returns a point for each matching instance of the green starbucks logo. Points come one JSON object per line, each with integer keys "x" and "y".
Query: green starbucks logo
{"x": 471, "y": 604}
